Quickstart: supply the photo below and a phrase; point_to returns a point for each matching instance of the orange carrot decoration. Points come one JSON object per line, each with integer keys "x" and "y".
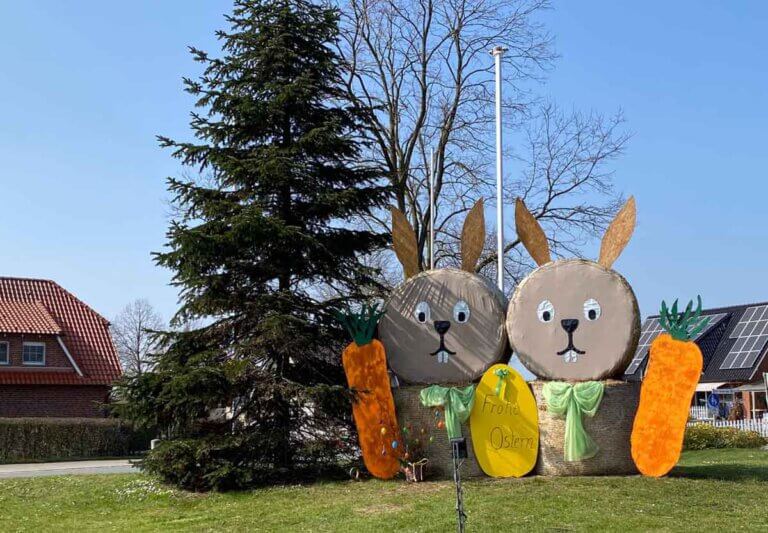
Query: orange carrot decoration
{"x": 365, "y": 365}
{"x": 674, "y": 369}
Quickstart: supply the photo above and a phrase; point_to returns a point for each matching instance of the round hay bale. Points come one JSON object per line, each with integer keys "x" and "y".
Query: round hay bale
{"x": 440, "y": 465}
{"x": 610, "y": 428}
{"x": 415, "y": 347}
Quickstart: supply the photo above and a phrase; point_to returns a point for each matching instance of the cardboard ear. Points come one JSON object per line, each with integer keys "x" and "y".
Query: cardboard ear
{"x": 618, "y": 234}
{"x": 530, "y": 234}
{"x": 473, "y": 237}
{"x": 404, "y": 243}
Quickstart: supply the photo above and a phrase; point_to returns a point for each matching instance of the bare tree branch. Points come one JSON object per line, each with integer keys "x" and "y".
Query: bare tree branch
{"x": 132, "y": 331}
{"x": 423, "y": 67}
{"x": 567, "y": 184}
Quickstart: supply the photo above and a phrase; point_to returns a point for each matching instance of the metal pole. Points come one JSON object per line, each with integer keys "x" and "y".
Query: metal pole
{"x": 432, "y": 208}
{"x": 460, "y": 516}
{"x": 458, "y": 451}
{"x": 497, "y": 53}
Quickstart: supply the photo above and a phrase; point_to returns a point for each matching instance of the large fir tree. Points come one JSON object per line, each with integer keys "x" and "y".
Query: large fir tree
{"x": 259, "y": 240}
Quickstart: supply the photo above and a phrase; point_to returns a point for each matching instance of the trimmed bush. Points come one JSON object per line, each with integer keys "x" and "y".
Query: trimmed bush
{"x": 51, "y": 439}
{"x": 200, "y": 465}
{"x": 222, "y": 462}
{"x": 704, "y": 436}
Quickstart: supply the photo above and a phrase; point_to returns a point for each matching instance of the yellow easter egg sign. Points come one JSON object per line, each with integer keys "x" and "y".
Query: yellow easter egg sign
{"x": 504, "y": 423}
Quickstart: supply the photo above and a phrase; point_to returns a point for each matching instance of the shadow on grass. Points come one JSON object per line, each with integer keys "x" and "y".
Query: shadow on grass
{"x": 726, "y": 472}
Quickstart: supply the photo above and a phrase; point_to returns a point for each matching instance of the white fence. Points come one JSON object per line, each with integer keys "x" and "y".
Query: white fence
{"x": 761, "y": 426}
{"x": 701, "y": 412}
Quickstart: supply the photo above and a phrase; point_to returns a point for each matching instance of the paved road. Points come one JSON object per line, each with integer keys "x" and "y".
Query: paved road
{"x": 108, "y": 466}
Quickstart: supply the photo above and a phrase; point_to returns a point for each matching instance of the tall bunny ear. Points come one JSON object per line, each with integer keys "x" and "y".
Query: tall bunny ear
{"x": 404, "y": 243}
{"x": 473, "y": 237}
{"x": 618, "y": 234}
{"x": 530, "y": 234}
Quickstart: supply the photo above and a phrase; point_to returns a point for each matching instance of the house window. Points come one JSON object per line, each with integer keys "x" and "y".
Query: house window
{"x": 4, "y": 353}
{"x": 33, "y": 353}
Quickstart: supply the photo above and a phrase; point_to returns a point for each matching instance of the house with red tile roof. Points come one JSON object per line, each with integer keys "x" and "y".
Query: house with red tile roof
{"x": 57, "y": 358}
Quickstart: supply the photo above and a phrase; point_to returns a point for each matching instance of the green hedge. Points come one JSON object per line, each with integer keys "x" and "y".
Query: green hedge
{"x": 703, "y": 436}
{"x": 51, "y": 439}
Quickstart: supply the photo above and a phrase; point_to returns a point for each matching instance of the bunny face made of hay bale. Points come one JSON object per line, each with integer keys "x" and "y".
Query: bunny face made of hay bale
{"x": 574, "y": 319}
{"x": 444, "y": 325}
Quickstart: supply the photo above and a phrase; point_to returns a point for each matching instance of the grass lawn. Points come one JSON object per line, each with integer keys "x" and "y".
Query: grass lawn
{"x": 710, "y": 490}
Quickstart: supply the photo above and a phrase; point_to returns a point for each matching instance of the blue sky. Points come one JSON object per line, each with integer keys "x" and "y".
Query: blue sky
{"x": 692, "y": 81}
{"x": 86, "y": 87}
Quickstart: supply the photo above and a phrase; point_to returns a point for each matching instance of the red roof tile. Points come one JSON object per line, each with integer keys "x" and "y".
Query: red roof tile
{"x": 26, "y": 317}
{"x": 41, "y": 378}
{"x": 83, "y": 330}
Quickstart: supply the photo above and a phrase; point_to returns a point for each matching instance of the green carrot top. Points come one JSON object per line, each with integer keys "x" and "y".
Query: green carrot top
{"x": 361, "y": 324}
{"x": 683, "y": 326}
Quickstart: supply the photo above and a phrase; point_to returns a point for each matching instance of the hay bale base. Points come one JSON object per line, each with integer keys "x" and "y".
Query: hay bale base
{"x": 440, "y": 466}
{"x": 611, "y": 428}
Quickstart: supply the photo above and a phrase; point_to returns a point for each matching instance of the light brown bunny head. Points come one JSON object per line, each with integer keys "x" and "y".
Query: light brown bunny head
{"x": 444, "y": 325}
{"x": 574, "y": 319}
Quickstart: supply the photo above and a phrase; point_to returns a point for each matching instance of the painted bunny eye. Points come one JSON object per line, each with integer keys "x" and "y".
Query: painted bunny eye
{"x": 422, "y": 312}
{"x": 592, "y": 309}
{"x": 461, "y": 312}
{"x": 546, "y": 311}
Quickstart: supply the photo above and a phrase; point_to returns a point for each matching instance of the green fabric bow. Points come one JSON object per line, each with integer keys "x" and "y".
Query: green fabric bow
{"x": 501, "y": 385}
{"x": 457, "y": 403}
{"x": 575, "y": 401}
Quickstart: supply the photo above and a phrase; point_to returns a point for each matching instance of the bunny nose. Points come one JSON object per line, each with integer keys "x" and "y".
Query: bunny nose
{"x": 569, "y": 324}
{"x": 442, "y": 326}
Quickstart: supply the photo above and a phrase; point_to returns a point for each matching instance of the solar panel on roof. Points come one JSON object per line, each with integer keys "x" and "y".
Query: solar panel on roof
{"x": 713, "y": 321}
{"x": 751, "y": 334}
{"x": 652, "y": 329}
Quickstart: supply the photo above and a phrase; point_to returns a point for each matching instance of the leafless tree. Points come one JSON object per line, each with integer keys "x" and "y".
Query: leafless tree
{"x": 423, "y": 67}
{"x": 132, "y": 331}
{"x": 566, "y": 183}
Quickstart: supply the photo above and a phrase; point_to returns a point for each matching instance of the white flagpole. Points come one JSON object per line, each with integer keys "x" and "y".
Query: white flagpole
{"x": 432, "y": 208}
{"x": 497, "y": 53}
